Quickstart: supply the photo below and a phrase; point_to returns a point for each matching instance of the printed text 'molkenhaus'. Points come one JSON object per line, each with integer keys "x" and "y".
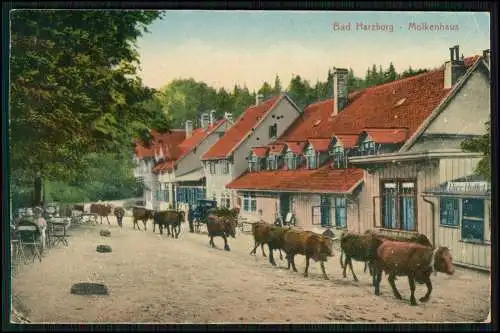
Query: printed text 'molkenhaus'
{"x": 424, "y": 26}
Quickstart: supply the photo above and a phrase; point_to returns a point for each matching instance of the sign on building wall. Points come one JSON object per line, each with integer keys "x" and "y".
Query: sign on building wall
{"x": 468, "y": 186}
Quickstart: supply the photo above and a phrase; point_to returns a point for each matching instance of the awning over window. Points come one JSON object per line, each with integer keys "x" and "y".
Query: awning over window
{"x": 192, "y": 176}
{"x": 469, "y": 186}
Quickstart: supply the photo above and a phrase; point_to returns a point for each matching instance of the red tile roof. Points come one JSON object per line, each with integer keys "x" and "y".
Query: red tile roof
{"x": 319, "y": 145}
{"x": 347, "y": 140}
{"x": 324, "y": 179}
{"x": 174, "y": 145}
{"x": 243, "y": 125}
{"x": 260, "y": 151}
{"x": 390, "y": 113}
{"x": 296, "y": 147}
{"x": 276, "y": 148}
{"x": 387, "y": 135}
{"x": 168, "y": 141}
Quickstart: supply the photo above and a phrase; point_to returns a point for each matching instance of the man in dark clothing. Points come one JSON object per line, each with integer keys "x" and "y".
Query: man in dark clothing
{"x": 190, "y": 218}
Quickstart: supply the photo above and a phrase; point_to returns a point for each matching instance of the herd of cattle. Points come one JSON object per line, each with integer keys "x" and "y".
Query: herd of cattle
{"x": 413, "y": 257}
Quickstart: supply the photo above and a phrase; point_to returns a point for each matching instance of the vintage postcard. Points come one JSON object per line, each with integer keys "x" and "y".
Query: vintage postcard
{"x": 249, "y": 167}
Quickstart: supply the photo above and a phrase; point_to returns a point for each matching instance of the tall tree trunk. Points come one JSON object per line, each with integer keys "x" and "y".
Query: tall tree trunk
{"x": 37, "y": 197}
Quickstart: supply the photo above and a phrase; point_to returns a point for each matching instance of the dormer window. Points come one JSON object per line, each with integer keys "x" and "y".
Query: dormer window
{"x": 272, "y": 162}
{"x": 337, "y": 154}
{"x": 367, "y": 147}
{"x": 290, "y": 160}
{"x": 252, "y": 163}
{"x": 311, "y": 159}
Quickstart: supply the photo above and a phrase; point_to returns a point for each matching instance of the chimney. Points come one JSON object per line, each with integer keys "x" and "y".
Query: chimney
{"x": 454, "y": 68}
{"x": 189, "y": 128}
{"x": 229, "y": 117}
{"x": 205, "y": 120}
{"x": 212, "y": 117}
{"x": 258, "y": 99}
{"x": 339, "y": 89}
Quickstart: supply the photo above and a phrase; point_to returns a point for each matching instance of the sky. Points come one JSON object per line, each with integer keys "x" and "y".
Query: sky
{"x": 224, "y": 48}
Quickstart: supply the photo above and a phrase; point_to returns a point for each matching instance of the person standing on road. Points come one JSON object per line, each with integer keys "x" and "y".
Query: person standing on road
{"x": 42, "y": 225}
{"x": 190, "y": 218}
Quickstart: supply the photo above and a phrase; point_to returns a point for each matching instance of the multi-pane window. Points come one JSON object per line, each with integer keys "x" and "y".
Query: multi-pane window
{"x": 272, "y": 162}
{"x": 211, "y": 165}
{"x": 273, "y": 131}
{"x": 249, "y": 202}
{"x": 340, "y": 212}
{"x": 311, "y": 159}
{"x": 398, "y": 199}
{"x": 225, "y": 167}
{"x": 367, "y": 147}
{"x": 473, "y": 219}
{"x": 225, "y": 200}
{"x": 290, "y": 160}
{"x": 449, "y": 213}
{"x": 337, "y": 154}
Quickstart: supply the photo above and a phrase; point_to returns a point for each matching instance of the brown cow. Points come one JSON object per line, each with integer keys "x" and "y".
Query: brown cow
{"x": 119, "y": 212}
{"x": 260, "y": 232}
{"x": 359, "y": 247}
{"x": 102, "y": 210}
{"x": 169, "y": 218}
{"x": 276, "y": 241}
{"x": 413, "y": 238}
{"x": 222, "y": 227}
{"x": 142, "y": 214}
{"x": 413, "y": 260}
{"x": 309, "y": 244}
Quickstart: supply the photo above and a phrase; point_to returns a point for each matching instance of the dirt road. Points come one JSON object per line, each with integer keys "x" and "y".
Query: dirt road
{"x": 153, "y": 279}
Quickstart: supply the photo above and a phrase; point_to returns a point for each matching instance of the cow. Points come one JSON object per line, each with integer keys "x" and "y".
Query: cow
{"x": 309, "y": 244}
{"x": 102, "y": 210}
{"x": 260, "y": 232}
{"x": 119, "y": 212}
{"x": 169, "y": 218}
{"x": 415, "y": 238}
{"x": 222, "y": 227}
{"x": 276, "y": 241}
{"x": 142, "y": 214}
{"x": 413, "y": 260}
{"x": 358, "y": 247}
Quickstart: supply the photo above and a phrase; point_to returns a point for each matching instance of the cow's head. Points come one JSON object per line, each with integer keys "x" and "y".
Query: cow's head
{"x": 324, "y": 248}
{"x": 443, "y": 261}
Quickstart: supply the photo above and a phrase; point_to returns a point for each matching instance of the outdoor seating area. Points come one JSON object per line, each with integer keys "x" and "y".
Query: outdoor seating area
{"x": 35, "y": 230}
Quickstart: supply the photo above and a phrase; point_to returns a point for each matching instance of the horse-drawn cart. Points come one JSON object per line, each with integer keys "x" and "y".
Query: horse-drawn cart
{"x": 200, "y": 214}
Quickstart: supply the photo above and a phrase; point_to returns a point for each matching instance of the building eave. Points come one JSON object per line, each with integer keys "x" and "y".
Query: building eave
{"x": 393, "y": 157}
{"x": 349, "y": 191}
